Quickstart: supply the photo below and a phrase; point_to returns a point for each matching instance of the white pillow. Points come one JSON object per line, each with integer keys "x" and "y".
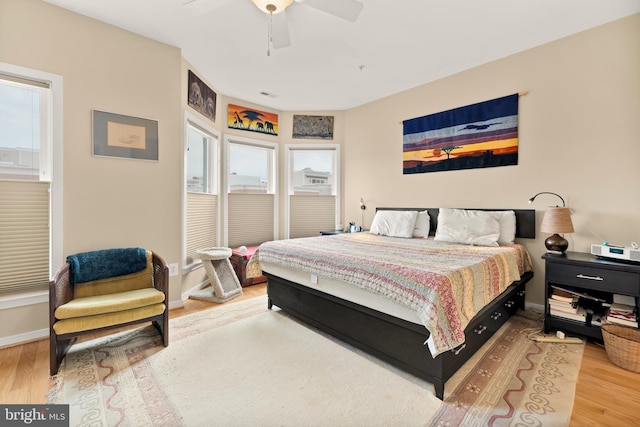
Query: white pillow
{"x": 467, "y": 226}
{"x": 421, "y": 228}
{"x": 394, "y": 223}
{"x": 507, "y": 220}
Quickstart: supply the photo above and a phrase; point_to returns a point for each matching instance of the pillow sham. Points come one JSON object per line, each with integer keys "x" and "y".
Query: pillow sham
{"x": 468, "y": 227}
{"x": 423, "y": 222}
{"x": 507, "y": 220}
{"x": 394, "y": 223}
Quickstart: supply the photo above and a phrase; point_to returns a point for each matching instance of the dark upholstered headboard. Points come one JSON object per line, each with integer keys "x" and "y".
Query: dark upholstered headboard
{"x": 525, "y": 219}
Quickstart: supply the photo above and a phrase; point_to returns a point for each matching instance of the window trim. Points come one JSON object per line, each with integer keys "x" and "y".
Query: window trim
{"x": 191, "y": 119}
{"x": 54, "y": 118}
{"x": 289, "y": 149}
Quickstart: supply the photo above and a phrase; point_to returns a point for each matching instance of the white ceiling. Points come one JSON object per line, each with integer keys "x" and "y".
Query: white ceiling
{"x": 333, "y": 64}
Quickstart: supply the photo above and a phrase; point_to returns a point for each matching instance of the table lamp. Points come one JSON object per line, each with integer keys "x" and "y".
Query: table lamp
{"x": 556, "y": 220}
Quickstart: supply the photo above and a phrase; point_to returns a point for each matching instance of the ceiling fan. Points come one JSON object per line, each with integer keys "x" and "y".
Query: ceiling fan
{"x": 278, "y": 29}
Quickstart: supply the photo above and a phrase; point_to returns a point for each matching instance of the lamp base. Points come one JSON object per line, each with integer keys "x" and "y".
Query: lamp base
{"x": 556, "y": 244}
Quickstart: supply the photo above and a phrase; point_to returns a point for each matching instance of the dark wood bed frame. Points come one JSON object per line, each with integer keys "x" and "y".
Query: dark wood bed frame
{"x": 394, "y": 340}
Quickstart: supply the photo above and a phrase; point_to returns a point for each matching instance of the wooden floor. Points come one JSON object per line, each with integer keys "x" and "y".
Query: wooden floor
{"x": 606, "y": 395}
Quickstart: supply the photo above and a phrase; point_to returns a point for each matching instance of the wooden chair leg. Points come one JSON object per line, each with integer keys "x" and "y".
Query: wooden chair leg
{"x": 163, "y": 328}
{"x": 58, "y": 349}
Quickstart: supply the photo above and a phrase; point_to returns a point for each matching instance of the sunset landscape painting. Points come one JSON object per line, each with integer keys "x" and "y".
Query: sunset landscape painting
{"x": 252, "y": 120}
{"x": 475, "y": 136}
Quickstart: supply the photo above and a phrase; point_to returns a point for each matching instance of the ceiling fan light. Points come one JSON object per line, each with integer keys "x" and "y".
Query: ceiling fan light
{"x": 280, "y": 5}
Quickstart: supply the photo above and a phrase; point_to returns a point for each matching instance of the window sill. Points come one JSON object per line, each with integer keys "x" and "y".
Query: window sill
{"x": 24, "y": 299}
{"x": 192, "y": 267}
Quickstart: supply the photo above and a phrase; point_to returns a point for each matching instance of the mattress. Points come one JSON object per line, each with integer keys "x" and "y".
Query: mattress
{"x": 344, "y": 291}
{"x": 442, "y": 285}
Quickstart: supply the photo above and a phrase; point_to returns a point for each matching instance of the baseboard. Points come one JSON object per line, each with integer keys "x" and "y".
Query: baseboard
{"x": 24, "y": 338}
{"x": 535, "y": 307}
{"x": 176, "y": 304}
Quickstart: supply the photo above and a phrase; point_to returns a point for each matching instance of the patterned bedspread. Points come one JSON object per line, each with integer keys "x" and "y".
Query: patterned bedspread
{"x": 445, "y": 283}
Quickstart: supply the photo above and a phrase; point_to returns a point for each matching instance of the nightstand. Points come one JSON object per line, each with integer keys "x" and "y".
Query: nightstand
{"x": 598, "y": 279}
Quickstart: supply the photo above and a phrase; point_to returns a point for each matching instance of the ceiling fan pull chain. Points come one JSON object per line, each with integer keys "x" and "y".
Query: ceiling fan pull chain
{"x": 271, "y": 8}
{"x": 269, "y": 35}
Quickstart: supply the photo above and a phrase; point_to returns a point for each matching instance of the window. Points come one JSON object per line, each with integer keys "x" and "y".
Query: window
{"x": 30, "y": 186}
{"x": 313, "y": 188}
{"x": 24, "y": 142}
{"x": 251, "y": 171}
{"x": 202, "y": 170}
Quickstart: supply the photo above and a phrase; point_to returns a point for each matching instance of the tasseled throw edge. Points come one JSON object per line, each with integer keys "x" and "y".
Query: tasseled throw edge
{"x": 55, "y": 393}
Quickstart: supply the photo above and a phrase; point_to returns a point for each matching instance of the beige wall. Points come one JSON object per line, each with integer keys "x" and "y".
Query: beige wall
{"x": 108, "y": 202}
{"x": 579, "y": 130}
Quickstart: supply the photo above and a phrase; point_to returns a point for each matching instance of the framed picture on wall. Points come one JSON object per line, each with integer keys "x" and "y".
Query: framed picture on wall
{"x": 252, "y": 120}
{"x": 312, "y": 127}
{"x": 117, "y": 135}
{"x": 201, "y": 97}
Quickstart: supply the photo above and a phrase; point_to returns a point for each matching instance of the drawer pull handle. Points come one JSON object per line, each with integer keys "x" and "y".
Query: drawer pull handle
{"x": 509, "y": 304}
{"x": 583, "y": 276}
{"x": 480, "y": 329}
{"x": 456, "y": 352}
{"x": 521, "y": 293}
{"x": 496, "y": 315}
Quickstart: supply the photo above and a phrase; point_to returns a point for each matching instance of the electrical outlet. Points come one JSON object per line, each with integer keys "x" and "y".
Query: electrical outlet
{"x": 173, "y": 269}
{"x": 314, "y": 279}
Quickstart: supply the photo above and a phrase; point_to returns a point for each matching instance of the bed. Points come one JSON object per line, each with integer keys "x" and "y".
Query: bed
{"x": 409, "y": 325}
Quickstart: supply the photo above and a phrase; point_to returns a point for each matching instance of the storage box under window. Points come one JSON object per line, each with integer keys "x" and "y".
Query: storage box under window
{"x": 239, "y": 260}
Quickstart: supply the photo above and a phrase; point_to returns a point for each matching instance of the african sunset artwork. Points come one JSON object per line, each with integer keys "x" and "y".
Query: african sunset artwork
{"x": 252, "y": 120}
{"x": 475, "y": 136}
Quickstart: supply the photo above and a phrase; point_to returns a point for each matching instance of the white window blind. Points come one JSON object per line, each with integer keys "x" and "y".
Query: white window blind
{"x": 201, "y": 222}
{"x": 308, "y": 215}
{"x": 201, "y": 185}
{"x": 251, "y": 219}
{"x": 313, "y": 183}
{"x": 24, "y": 235}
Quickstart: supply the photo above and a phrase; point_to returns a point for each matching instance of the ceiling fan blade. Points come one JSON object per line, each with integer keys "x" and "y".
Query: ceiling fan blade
{"x": 280, "y": 30}
{"x": 201, "y": 7}
{"x": 345, "y": 9}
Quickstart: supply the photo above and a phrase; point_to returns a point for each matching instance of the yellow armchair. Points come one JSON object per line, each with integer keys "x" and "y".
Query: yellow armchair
{"x": 106, "y": 289}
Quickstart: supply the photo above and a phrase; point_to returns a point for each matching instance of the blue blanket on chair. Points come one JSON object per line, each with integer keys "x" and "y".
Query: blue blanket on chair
{"x": 95, "y": 265}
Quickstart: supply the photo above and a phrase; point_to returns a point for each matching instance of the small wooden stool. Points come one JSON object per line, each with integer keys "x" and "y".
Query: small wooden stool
{"x": 224, "y": 282}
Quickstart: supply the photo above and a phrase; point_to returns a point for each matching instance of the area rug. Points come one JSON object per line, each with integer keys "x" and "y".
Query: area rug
{"x": 514, "y": 381}
{"x": 242, "y": 365}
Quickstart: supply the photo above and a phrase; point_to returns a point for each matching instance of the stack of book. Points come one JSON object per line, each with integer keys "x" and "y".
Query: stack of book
{"x": 623, "y": 311}
{"x": 565, "y": 304}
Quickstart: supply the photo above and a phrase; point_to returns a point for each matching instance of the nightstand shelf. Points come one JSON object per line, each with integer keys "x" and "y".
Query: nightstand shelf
{"x": 587, "y": 274}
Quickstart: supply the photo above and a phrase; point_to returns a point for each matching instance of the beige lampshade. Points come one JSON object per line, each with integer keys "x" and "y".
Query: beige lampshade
{"x": 557, "y": 221}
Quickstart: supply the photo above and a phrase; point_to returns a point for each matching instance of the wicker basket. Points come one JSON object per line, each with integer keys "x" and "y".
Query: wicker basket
{"x": 623, "y": 345}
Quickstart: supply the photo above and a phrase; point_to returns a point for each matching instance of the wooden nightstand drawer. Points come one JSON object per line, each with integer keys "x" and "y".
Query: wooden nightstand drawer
{"x": 595, "y": 278}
